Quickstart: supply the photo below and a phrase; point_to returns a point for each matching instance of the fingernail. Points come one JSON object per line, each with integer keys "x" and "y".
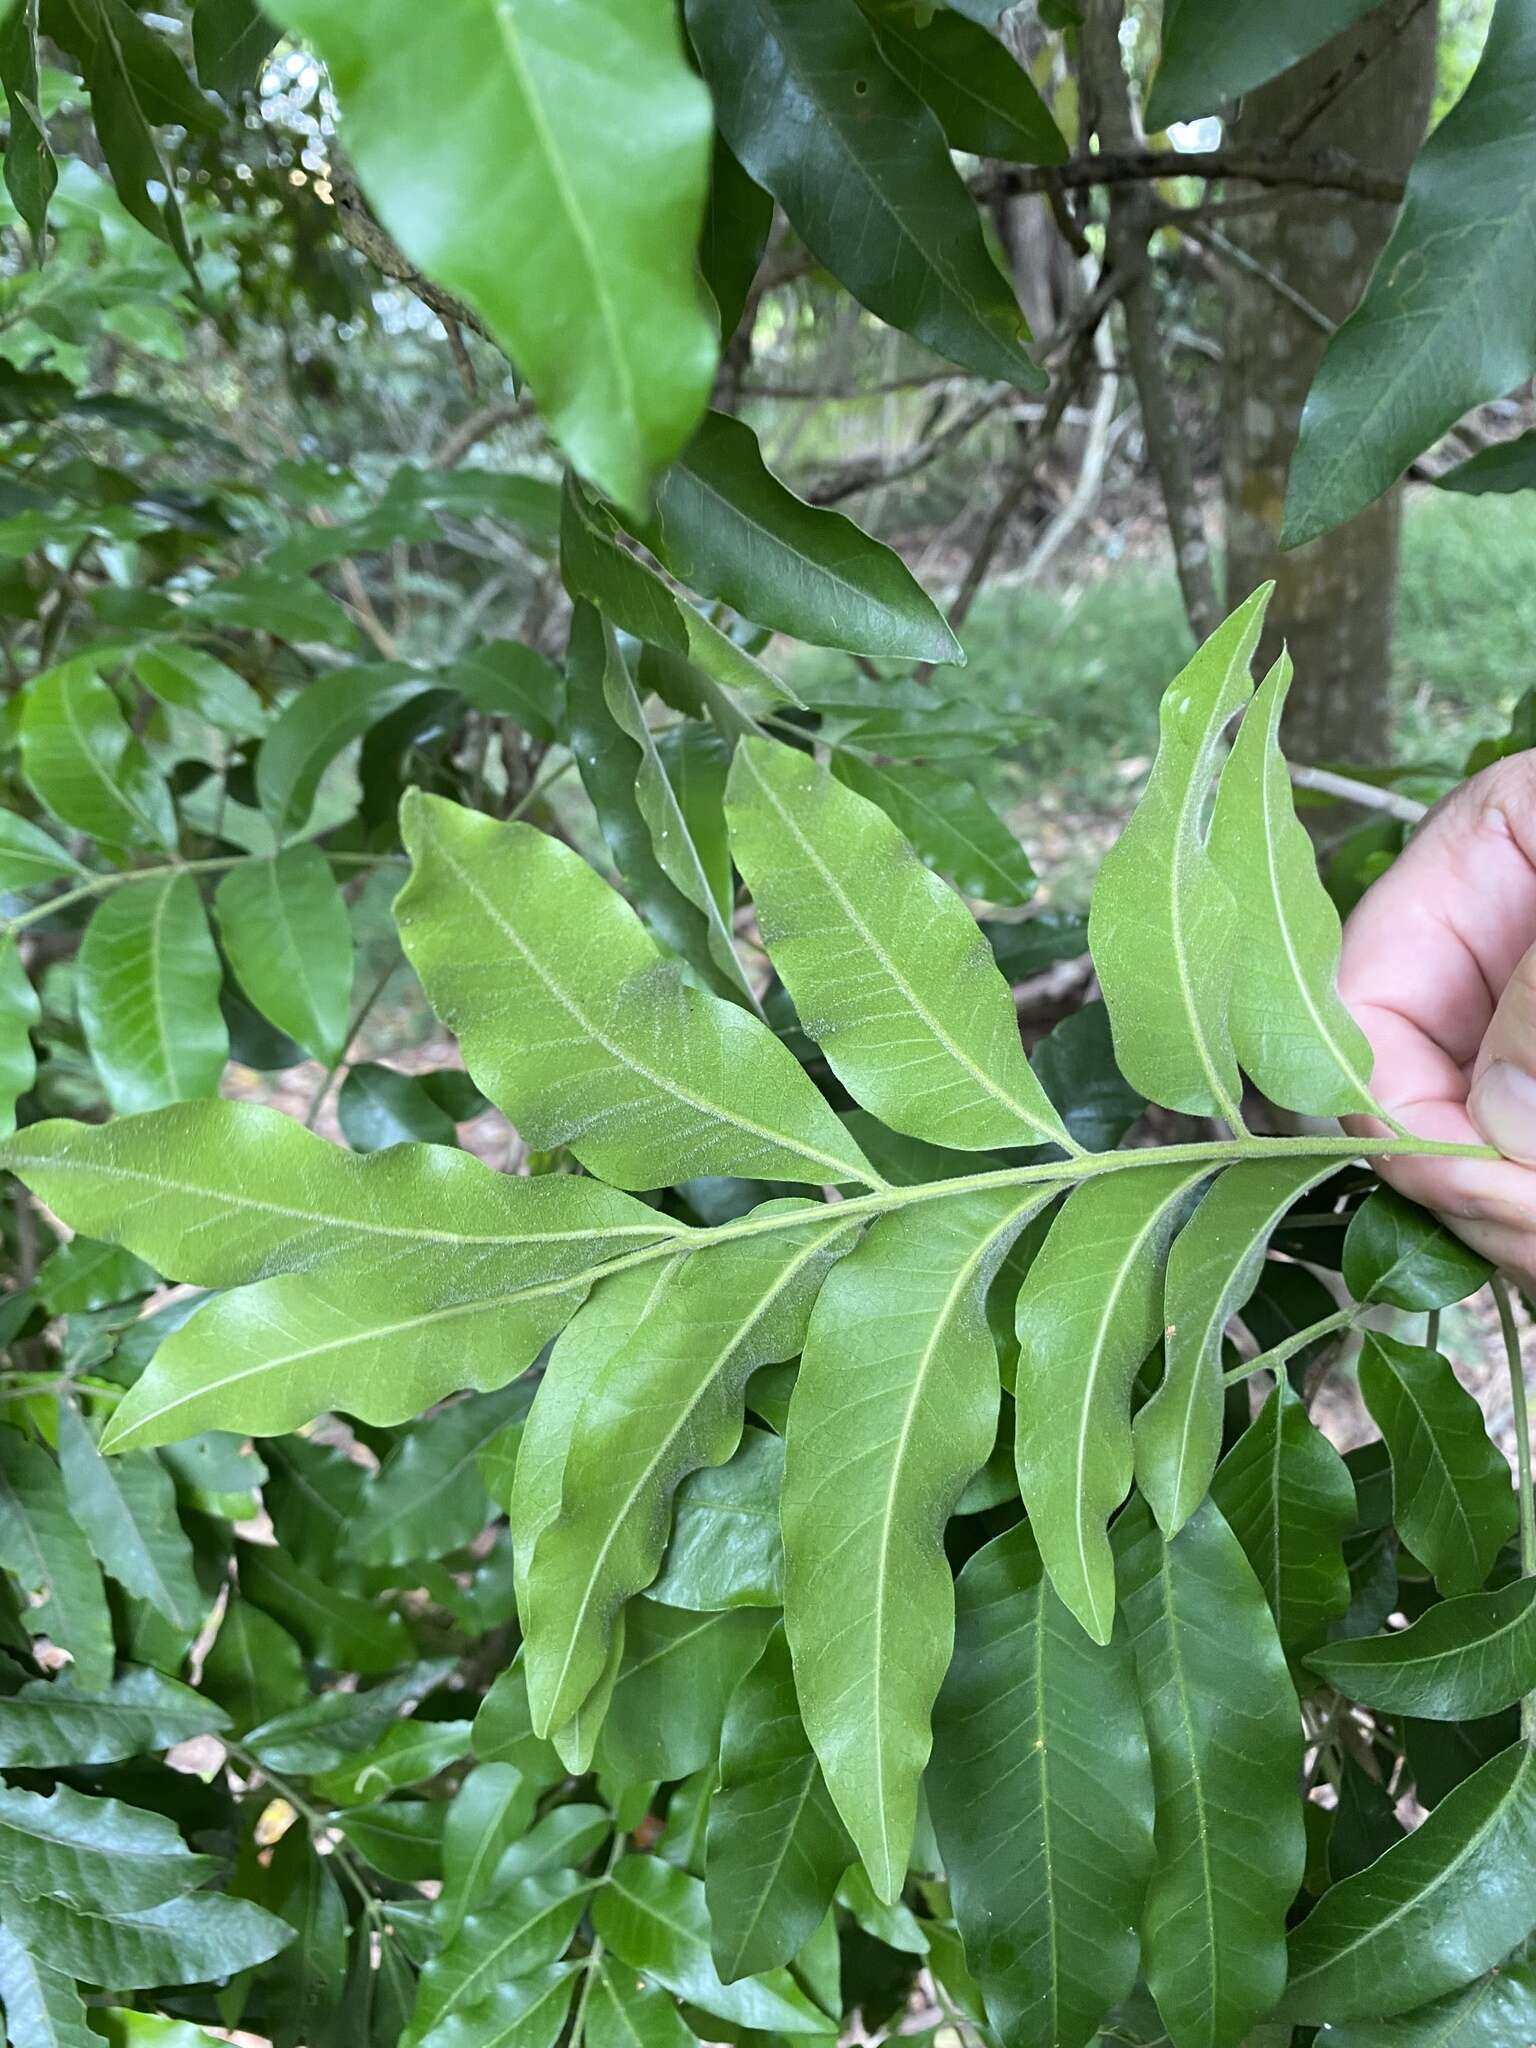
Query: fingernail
{"x": 1503, "y": 1106}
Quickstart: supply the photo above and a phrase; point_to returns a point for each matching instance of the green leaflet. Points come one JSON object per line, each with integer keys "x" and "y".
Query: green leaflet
{"x": 1212, "y": 1269}
{"x": 573, "y": 1025}
{"x": 1397, "y": 1253}
{"x": 1495, "y": 2010}
{"x": 1435, "y": 1911}
{"x": 861, "y": 168}
{"x": 511, "y": 681}
{"x": 255, "y": 1669}
{"x": 325, "y": 1732}
{"x": 640, "y": 811}
{"x": 1451, "y": 1495}
{"x": 666, "y": 1402}
{"x": 949, "y": 822}
{"x": 400, "y": 1837}
{"x": 985, "y": 100}
{"x": 1500, "y": 467}
{"x": 218, "y": 1193}
{"x": 887, "y": 968}
{"x": 1292, "y": 1034}
{"x": 523, "y": 1929}
{"x": 344, "y": 1631}
{"x": 1440, "y": 327}
{"x": 314, "y": 726}
{"x": 895, "y": 1408}
{"x": 600, "y": 309}
{"x": 425, "y": 1502}
{"x": 302, "y": 1886}
{"x": 31, "y": 175}
{"x": 776, "y": 1847}
{"x": 726, "y": 526}
{"x": 95, "y": 1853}
{"x": 407, "y": 1753}
{"x": 1225, "y": 1735}
{"x": 1042, "y": 1797}
{"x": 377, "y": 1107}
{"x": 43, "y": 2009}
{"x": 1460, "y": 1661}
{"x": 148, "y": 979}
{"x": 1216, "y": 50}
{"x": 654, "y": 1918}
{"x": 82, "y": 759}
{"x": 184, "y": 1941}
{"x": 52, "y": 1562}
{"x": 624, "y": 2011}
{"x": 29, "y": 857}
{"x": 529, "y": 2012}
{"x": 725, "y": 1549}
{"x": 286, "y": 930}
{"x": 599, "y": 1329}
{"x": 48, "y": 1726}
{"x": 1164, "y": 927}
{"x": 198, "y": 681}
{"x": 1090, "y": 1311}
{"x": 20, "y": 1010}
{"x": 1287, "y": 1497}
{"x": 663, "y": 1715}
{"x": 127, "y": 1509}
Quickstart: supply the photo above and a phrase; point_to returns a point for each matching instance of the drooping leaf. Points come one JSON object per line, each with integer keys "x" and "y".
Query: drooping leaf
{"x": 1164, "y": 926}
{"x": 860, "y": 166}
{"x": 1462, "y": 1660}
{"x": 314, "y": 727}
{"x": 426, "y": 1502}
{"x": 31, "y": 175}
{"x": 255, "y": 1669}
{"x": 950, "y": 823}
{"x": 776, "y": 1847}
{"x": 127, "y": 1509}
{"x": 343, "y": 1630}
{"x": 654, "y": 1918}
{"x": 148, "y": 979}
{"x": 1439, "y": 329}
{"x": 725, "y": 525}
{"x": 187, "y": 1940}
{"x": 1292, "y": 1034}
{"x": 1496, "y": 2010}
{"x": 29, "y": 857}
{"x": 1452, "y": 1499}
{"x": 95, "y": 1853}
{"x": 985, "y": 100}
{"x": 600, "y": 309}
{"x": 737, "y": 223}
{"x": 575, "y": 1029}
{"x": 895, "y": 1408}
{"x": 50, "y": 1726}
{"x": 661, "y": 1717}
{"x": 1042, "y": 1797}
{"x": 725, "y": 1549}
{"x": 286, "y": 931}
{"x": 43, "y": 2008}
{"x": 136, "y": 84}
{"x": 1224, "y": 1731}
{"x": 83, "y": 760}
{"x": 1213, "y": 53}
{"x": 1090, "y": 1311}
{"x": 20, "y": 1010}
{"x": 639, "y": 809}
{"x": 1397, "y": 1253}
{"x": 1212, "y": 1269}
{"x": 230, "y": 41}
{"x": 42, "y": 1546}
{"x": 1288, "y": 1498}
{"x": 1434, "y": 1912}
{"x": 890, "y": 975}
{"x": 668, "y": 1401}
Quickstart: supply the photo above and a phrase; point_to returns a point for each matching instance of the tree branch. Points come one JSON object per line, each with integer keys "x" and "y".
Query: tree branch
{"x": 1367, "y": 795}
{"x": 1132, "y": 165}
{"x": 501, "y": 412}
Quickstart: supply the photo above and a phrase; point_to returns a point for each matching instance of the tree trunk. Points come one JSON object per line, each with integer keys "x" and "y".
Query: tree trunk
{"x": 1333, "y": 604}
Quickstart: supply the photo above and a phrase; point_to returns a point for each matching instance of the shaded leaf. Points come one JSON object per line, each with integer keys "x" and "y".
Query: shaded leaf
{"x": 313, "y": 728}
{"x": 426, "y": 1500}
{"x": 950, "y": 823}
{"x": 1397, "y": 1253}
{"x": 986, "y": 102}
{"x": 127, "y": 1509}
{"x": 725, "y": 1549}
{"x": 47, "y": 1726}
{"x": 1212, "y": 53}
{"x": 43, "y": 2008}
{"x": 286, "y": 931}
{"x": 670, "y": 1690}
{"x": 1462, "y": 1660}
{"x": 191, "y": 677}
{"x": 42, "y": 1546}
{"x": 95, "y": 1853}
{"x": 185, "y": 1941}
{"x": 85, "y": 763}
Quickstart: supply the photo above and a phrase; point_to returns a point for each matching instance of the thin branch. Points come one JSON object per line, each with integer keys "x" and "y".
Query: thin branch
{"x": 355, "y": 220}
{"x": 1364, "y": 794}
{"x": 1330, "y": 172}
{"x": 870, "y": 472}
{"x": 1240, "y": 259}
{"x": 469, "y": 433}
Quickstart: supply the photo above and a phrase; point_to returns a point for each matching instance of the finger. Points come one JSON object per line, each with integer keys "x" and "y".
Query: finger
{"x": 1503, "y": 1098}
{"x": 1437, "y": 938}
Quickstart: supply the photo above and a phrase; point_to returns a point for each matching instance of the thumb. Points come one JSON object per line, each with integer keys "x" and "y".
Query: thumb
{"x": 1502, "y": 1101}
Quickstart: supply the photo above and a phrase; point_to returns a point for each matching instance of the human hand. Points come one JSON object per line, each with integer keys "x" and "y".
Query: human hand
{"x": 1439, "y": 969}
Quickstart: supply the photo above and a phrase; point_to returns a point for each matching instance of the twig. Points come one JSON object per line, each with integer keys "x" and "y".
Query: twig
{"x": 355, "y": 220}
{"x": 1129, "y": 165}
{"x": 1274, "y": 1359}
{"x": 1365, "y": 794}
{"x": 501, "y": 412}
{"x": 365, "y": 1011}
{"x": 871, "y": 473}
{"x": 1240, "y": 259}
{"x": 1102, "y": 428}
{"x": 1132, "y": 218}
